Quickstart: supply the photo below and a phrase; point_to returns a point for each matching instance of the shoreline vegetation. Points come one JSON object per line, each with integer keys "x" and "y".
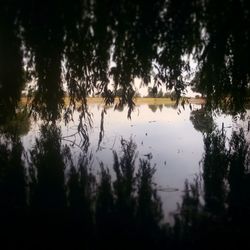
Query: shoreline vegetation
{"x": 138, "y": 101}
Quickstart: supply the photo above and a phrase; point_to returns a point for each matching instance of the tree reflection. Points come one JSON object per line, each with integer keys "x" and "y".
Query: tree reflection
{"x": 239, "y": 180}
{"x": 153, "y": 107}
{"x": 13, "y": 192}
{"x": 202, "y": 120}
{"x": 218, "y": 212}
{"x": 49, "y": 198}
{"x": 16, "y": 126}
{"x": 47, "y": 170}
{"x": 215, "y": 167}
{"x": 59, "y": 201}
{"x": 12, "y": 174}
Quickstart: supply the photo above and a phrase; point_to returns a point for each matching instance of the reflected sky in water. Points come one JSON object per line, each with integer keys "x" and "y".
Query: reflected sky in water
{"x": 163, "y": 131}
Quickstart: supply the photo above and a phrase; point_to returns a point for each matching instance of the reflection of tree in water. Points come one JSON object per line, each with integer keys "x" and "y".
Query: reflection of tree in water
{"x": 12, "y": 175}
{"x": 47, "y": 160}
{"x": 160, "y": 107}
{"x": 214, "y": 172}
{"x": 239, "y": 180}
{"x": 218, "y": 213}
{"x": 202, "y": 120}
{"x": 55, "y": 200}
{"x": 62, "y": 202}
{"x": 18, "y": 125}
{"x": 153, "y": 107}
{"x": 13, "y": 195}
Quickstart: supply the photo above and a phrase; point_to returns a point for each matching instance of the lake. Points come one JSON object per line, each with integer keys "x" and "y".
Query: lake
{"x": 161, "y": 132}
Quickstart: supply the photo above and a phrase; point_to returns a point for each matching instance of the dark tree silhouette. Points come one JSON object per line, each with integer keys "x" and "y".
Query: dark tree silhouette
{"x": 215, "y": 208}
{"x": 53, "y": 42}
{"x": 49, "y": 199}
{"x": 12, "y": 175}
{"x": 77, "y": 48}
{"x": 238, "y": 178}
{"x": 152, "y": 92}
{"x": 16, "y": 126}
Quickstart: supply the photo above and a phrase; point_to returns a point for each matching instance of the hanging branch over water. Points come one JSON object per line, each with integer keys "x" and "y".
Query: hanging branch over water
{"x": 89, "y": 45}
{"x": 101, "y": 133}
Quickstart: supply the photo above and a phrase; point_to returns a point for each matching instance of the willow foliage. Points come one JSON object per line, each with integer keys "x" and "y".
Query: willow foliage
{"x": 89, "y": 45}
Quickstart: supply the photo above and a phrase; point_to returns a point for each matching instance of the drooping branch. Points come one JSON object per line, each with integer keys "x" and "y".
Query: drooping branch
{"x": 94, "y": 45}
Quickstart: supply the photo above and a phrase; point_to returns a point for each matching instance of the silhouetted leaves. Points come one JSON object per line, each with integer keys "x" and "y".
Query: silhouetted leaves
{"x": 60, "y": 201}
{"x": 215, "y": 210}
{"x": 17, "y": 125}
{"x": 12, "y": 175}
{"x": 90, "y": 45}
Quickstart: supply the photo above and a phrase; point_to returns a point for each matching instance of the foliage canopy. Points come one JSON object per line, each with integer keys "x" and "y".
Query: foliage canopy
{"x": 89, "y": 44}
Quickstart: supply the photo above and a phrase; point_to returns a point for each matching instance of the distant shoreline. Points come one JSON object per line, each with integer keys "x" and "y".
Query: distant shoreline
{"x": 159, "y": 101}
{"x": 138, "y": 100}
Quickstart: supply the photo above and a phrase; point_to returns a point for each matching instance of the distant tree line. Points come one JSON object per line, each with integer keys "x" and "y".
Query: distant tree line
{"x": 153, "y": 92}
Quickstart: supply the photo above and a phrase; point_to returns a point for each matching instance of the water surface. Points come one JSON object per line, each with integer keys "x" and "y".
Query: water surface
{"x": 164, "y": 134}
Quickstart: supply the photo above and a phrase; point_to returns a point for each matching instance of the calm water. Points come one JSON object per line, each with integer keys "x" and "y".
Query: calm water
{"x": 164, "y": 132}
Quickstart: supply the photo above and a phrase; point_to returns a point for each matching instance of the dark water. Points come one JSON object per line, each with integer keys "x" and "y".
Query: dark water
{"x": 184, "y": 166}
{"x": 163, "y": 133}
